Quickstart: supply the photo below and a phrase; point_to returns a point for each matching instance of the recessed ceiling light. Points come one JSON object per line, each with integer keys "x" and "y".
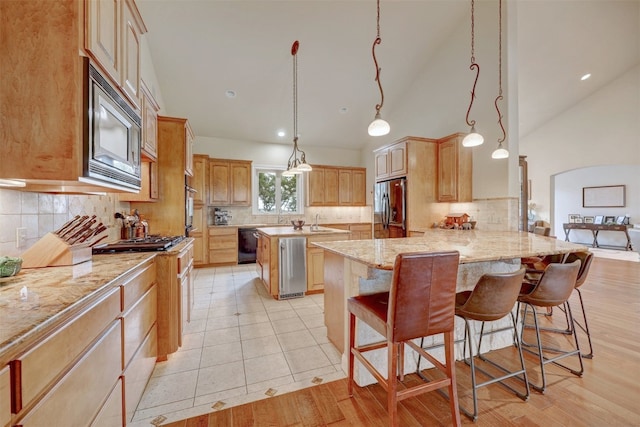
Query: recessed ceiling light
{"x": 343, "y": 110}
{"x": 585, "y": 77}
{"x": 281, "y": 133}
{"x": 230, "y": 93}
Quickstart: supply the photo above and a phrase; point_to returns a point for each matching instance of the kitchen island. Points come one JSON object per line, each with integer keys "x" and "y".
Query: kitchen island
{"x": 269, "y": 255}
{"x": 365, "y": 266}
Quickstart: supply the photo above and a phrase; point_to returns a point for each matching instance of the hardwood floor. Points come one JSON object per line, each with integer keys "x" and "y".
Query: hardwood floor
{"x": 608, "y": 394}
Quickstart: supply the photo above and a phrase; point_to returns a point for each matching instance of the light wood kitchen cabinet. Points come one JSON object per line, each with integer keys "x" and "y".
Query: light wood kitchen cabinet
{"x": 174, "y": 273}
{"x": 149, "y": 186}
{"x": 188, "y": 149}
{"x": 96, "y": 341}
{"x": 263, "y": 260}
{"x": 421, "y": 171}
{"x": 150, "y": 108}
{"x": 114, "y": 29}
{"x": 360, "y": 231}
{"x": 199, "y": 178}
{"x": 71, "y": 402}
{"x": 167, "y": 216}
{"x": 391, "y": 161}
{"x": 336, "y": 186}
{"x": 137, "y": 373}
{"x": 229, "y": 182}
{"x": 223, "y": 245}
{"x": 315, "y": 269}
{"x": 454, "y": 170}
{"x": 57, "y": 108}
{"x": 200, "y": 236}
{"x": 185, "y": 277}
{"x": 5, "y": 396}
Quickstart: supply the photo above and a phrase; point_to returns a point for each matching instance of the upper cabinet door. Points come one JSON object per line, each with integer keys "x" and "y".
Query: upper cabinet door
{"x": 240, "y": 183}
{"x": 219, "y": 183}
{"x": 131, "y": 33}
{"x": 103, "y": 35}
{"x": 149, "y": 125}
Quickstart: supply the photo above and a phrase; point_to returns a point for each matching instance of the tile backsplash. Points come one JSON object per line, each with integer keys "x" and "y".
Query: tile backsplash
{"x": 41, "y": 213}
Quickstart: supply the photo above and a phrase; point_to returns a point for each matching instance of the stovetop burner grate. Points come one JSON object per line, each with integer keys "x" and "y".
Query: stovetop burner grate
{"x": 148, "y": 244}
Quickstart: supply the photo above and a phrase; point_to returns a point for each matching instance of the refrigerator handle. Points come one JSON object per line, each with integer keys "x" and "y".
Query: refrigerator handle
{"x": 386, "y": 209}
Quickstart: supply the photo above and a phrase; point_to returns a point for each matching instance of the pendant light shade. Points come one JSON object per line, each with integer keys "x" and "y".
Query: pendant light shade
{"x": 473, "y": 138}
{"x": 500, "y": 153}
{"x": 379, "y": 126}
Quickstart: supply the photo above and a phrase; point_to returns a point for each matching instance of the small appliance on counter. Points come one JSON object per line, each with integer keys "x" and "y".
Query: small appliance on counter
{"x": 220, "y": 217}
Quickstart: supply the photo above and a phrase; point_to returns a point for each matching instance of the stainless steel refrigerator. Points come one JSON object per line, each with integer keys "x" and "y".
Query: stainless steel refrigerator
{"x": 390, "y": 209}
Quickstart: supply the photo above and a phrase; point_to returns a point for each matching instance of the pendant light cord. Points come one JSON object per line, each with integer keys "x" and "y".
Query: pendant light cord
{"x": 376, "y": 42}
{"x": 472, "y": 67}
{"x": 293, "y": 159}
{"x": 499, "y": 97}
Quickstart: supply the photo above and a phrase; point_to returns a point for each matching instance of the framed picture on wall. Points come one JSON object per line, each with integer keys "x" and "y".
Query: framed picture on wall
{"x": 573, "y": 218}
{"x": 598, "y": 219}
{"x": 588, "y": 220}
{"x": 608, "y": 196}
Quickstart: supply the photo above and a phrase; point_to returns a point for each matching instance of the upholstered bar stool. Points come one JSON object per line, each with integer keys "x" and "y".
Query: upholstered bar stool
{"x": 585, "y": 264}
{"x": 492, "y": 298}
{"x": 420, "y": 303}
{"x": 554, "y": 288}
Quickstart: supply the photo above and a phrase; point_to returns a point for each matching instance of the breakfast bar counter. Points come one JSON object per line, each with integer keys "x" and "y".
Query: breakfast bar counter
{"x": 365, "y": 266}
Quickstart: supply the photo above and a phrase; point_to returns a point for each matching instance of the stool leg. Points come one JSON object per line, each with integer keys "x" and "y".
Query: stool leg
{"x": 352, "y": 342}
{"x": 586, "y": 327}
{"x": 451, "y": 373}
{"x": 392, "y": 382}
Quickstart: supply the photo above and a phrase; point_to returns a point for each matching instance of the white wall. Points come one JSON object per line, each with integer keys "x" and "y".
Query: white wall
{"x": 602, "y": 130}
{"x": 568, "y": 199}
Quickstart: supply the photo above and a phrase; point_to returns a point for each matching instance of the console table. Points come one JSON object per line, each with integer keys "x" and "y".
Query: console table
{"x": 595, "y": 229}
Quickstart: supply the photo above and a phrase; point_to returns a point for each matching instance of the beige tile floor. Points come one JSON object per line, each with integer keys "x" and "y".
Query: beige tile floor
{"x": 240, "y": 346}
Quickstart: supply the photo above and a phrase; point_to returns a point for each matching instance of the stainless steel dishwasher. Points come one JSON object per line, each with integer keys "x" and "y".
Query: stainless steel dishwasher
{"x": 293, "y": 267}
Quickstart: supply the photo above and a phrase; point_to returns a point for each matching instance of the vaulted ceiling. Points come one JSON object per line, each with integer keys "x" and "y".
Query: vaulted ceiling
{"x": 203, "y": 49}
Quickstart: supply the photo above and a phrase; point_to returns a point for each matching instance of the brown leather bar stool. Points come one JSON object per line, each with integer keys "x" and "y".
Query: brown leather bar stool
{"x": 420, "y": 303}
{"x": 492, "y": 298}
{"x": 585, "y": 264}
{"x": 553, "y": 289}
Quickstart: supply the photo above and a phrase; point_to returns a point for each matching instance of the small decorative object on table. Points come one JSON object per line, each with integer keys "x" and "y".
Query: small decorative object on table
{"x": 9, "y": 266}
{"x": 297, "y": 224}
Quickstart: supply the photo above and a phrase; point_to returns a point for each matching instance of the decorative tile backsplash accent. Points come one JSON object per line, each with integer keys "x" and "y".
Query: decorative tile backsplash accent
{"x": 41, "y": 213}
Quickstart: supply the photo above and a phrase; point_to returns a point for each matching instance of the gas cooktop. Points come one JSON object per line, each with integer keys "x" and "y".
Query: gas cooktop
{"x": 147, "y": 244}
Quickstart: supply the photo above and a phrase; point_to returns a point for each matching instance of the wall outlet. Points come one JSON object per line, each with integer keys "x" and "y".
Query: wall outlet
{"x": 21, "y": 237}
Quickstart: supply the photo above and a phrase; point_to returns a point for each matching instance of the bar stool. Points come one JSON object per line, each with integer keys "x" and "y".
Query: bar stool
{"x": 492, "y": 298}
{"x": 553, "y": 289}
{"x": 420, "y": 303}
{"x": 585, "y": 264}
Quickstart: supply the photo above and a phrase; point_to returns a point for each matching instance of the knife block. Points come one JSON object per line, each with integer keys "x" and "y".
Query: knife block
{"x": 52, "y": 251}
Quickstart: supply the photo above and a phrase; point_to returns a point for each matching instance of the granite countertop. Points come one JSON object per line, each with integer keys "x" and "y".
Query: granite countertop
{"x": 473, "y": 245}
{"x": 305, "y": 232}
{"x": 54, "y": 292}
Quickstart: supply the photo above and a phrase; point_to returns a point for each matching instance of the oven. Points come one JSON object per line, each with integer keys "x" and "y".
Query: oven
{"x": 247, "y": 245}
{"x": 188, "y": 207}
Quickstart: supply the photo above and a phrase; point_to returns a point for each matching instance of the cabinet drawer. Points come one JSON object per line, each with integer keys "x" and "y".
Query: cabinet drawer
{"x": 111, "y": 414}
{"x": 133, "y": 289}
{"x": 185, "y": 259}
{"x": 5, "y": 396}
{"x": 139, "y": 371}
{"x": 73, "y": 401}
{"x": 223, "y": 256}
{"x": 137, "y": 322}
{"x": 223, "y": 242}
{"x": 360, "y": 227}
{"x": 41, "y": 365}
{"x": 223, "y": 231}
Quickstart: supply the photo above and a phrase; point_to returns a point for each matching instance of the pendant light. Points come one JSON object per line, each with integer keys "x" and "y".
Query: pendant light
{"x": 473, "y": 138}
{"x": 296, "y": 165}
{"x": 500, "y": 152}
{"x": 378, "y": 126}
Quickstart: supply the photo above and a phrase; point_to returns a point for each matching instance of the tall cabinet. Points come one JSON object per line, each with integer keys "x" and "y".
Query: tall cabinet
{"x": 167, "y": 216}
